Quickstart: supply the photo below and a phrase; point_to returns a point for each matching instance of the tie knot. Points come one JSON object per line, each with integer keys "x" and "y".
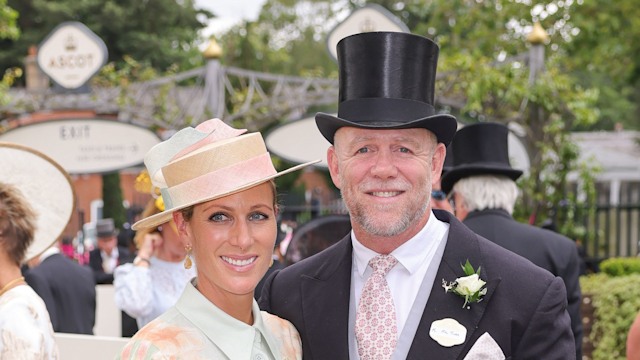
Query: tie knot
{"x": 381, "y": 264}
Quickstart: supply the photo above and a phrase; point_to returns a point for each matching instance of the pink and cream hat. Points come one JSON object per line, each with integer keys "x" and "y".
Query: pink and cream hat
{"x": 204, "y": 163}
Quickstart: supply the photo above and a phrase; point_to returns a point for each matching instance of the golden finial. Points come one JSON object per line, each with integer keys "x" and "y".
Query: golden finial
{"x": 537, "y": 35}
{"x": 213, "y": 51}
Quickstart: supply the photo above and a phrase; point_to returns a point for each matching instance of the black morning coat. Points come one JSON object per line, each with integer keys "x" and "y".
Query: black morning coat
{"x": 524, "y": 310}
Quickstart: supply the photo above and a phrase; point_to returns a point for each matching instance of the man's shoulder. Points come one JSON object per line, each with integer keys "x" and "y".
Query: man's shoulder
{"x": 509, "y": 265}
{"x": 323, "y": 261}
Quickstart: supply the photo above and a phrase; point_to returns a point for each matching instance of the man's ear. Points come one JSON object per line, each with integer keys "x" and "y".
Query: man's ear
{"x": 437, "y": 162}
{"x": 334, "y": 169}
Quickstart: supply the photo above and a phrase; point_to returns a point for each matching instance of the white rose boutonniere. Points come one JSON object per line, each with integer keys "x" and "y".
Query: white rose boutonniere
{"x": 470, "y": 287}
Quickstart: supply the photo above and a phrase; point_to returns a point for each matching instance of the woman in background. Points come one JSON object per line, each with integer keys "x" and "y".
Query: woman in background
{"x": 154, "y": 281}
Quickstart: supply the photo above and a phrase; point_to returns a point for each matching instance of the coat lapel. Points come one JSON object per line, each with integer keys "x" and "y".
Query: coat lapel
{"x": 462, "y": 244}
{"x": 325, "y": 303}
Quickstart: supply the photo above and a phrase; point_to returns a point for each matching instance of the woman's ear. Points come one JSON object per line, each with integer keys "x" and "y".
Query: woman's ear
{"x": 182, "y": 226}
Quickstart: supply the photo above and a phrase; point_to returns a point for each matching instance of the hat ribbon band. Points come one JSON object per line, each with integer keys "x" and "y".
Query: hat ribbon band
{"x": 221, "y": 181}
{"x": 384, "y": 109}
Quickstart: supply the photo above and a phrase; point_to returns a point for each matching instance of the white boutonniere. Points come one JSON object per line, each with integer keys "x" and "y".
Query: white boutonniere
{"x": 470, "y": 287}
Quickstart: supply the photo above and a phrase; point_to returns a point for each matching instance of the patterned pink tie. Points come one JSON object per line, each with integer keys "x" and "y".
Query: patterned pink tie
{"x": 376, "y": 328}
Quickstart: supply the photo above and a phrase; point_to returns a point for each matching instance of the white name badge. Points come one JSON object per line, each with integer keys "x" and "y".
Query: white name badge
{"x": 448, "y": 332}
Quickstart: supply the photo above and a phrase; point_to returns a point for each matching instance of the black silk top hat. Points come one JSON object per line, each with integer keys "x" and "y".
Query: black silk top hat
{"x": 479, "y": 149}
{"x": 387, "y": 81}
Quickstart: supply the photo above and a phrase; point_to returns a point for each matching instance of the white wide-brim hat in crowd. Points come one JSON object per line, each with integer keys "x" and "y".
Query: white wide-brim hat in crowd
{"x": 47, "y": 188}
{"x": 204, "y": 163}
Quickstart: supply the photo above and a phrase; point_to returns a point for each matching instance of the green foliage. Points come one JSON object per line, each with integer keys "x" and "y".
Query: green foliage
{"x": 616, "y": 302}
{"x": 620, "y": 266}
{"x": 8, "y": 18}
{"x": 162, "y": 32}
{"x": 7, "y": 79}
{"x": 8, "y": 30}
{"x": 602, "y": 56}
{"x": 288, "y": 38}
{"x": 112, "y": 199}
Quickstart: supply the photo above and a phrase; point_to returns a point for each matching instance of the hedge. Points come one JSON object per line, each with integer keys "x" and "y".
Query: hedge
{"x": 620, "y": 266}
{"x": 611, "y": 305}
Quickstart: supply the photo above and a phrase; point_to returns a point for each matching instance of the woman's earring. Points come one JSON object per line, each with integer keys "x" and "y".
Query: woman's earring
{"x": 187, "y": 259}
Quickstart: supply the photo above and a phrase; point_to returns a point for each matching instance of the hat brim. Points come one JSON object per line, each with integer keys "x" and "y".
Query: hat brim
{"x": 47, "y": 188}
{"x": 444, "y": 126}
{"x": 165, "y": 216}
{"x": 456, "y": 173}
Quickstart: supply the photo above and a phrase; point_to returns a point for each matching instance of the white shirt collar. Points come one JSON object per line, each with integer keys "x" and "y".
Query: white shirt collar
{"x": 50, "y": 251}
{"x": 412, "y": 254}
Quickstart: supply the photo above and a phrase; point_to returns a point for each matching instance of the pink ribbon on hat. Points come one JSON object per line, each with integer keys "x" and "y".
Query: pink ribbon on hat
{"x": 224, "y": 181}
{"x": 184, "y": 142}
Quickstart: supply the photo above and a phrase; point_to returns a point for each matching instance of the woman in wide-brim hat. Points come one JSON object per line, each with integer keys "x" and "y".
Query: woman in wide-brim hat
{"x": 217, "y": 186}
{"x": 36, "y": 204}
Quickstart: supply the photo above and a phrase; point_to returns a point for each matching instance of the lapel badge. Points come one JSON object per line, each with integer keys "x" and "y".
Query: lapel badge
{"x": 448, "y": 332}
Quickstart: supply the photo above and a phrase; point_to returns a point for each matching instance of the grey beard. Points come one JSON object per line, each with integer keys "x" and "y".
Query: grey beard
{"x": 374, "y": 227}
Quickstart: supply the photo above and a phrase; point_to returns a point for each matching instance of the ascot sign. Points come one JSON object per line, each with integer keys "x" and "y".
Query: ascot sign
{"x": 71, "y": 54}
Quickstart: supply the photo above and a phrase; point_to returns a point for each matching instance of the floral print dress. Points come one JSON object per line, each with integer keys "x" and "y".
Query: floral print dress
{"x": 196, "y": 329}
{"x": 25, "y": 327}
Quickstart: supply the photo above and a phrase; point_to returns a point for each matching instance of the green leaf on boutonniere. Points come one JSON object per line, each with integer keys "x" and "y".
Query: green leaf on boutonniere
{"x": 468, "y": 269}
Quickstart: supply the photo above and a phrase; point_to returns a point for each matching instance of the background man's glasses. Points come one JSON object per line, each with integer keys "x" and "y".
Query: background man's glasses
{"x": 438, "y": 195}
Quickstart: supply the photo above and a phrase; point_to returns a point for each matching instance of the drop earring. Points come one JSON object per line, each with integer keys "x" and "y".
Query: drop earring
{"x": 187, "y": 259}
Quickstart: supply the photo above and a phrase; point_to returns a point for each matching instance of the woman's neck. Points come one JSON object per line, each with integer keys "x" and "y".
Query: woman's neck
{"x": 239, "y": 307}
{"x": 8, "y": 272}
{"x": 166, "y": 255}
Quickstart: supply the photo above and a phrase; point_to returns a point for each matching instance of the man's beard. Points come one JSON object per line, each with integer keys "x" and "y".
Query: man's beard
{"x": 374, "y": 225}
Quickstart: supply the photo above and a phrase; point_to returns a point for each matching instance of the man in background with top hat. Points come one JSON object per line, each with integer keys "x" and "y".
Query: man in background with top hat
{"x": 108, "y": 255}
{"x": 409, "y": 282}
{"x": 482, "y": 185}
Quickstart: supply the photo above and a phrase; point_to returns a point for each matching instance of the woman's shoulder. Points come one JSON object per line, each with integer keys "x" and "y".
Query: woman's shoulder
{"x": 285, "y": 333}
{"x": 166, "y": 336}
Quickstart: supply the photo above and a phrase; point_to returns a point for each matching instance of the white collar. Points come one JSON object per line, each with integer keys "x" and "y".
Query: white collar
{"x": 412, "y": 254}
{"x": 50, "y": 251}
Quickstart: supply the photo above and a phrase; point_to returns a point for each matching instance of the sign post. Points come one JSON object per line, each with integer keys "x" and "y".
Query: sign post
{"x": 71, "y": 54}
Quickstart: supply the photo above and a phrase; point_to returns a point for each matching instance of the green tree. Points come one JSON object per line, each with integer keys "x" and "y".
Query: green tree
{"x": 161, "y": 33}
{"x": 8, "y": 18}
{"x": 482, "y": 67}
{"x": 8, "y": 30}
{"x": 112, "y": 206}
{"x": 603, "y": 54}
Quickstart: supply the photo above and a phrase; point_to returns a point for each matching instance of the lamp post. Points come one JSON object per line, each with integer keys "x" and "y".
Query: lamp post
{"x": 214, "y": 87}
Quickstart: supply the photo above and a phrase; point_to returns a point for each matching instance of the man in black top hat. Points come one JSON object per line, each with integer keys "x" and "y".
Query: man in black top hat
{"x": 388, "y": 146}
{"x": 482, "y": 185}
{"x": 108, "y": 254}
